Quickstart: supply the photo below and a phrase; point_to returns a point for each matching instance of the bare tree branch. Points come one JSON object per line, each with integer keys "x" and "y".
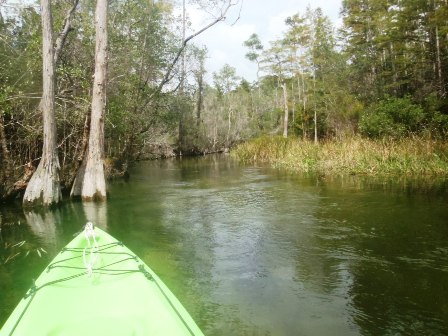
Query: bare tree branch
{"x": 60, "y": 41}
{"x": 239, "y": 14}
{"x": 167, "y": 78}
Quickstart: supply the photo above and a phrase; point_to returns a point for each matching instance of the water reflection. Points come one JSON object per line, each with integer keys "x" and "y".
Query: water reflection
{"x": 275, "y": 253}
{"x": 29, "y": 239}
{"x": 43, "y": 224}
{"x": 23, "y": 253}
{"x": 96, "y": 213}
{"x": 249, "y": 243}
{"x": 255, "y": 251}
{"x": 388, "y": 294}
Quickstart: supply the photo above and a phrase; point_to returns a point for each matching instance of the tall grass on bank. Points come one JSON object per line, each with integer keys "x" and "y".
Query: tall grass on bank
{"x": 354, "y": 156}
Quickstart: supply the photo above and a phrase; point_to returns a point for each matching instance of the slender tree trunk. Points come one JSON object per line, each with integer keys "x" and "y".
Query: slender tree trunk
{"x": 285, "y": 121}
{"x": 293, "y": 103}
{"x": 90, "y": 181}
{"x": 81, "y": 152}
{"x": 299, "y": 91}
{"x": 44, "y": 187}
{"x": 60, "y": 41}
{"x": 394, "y": 70}
{"x": 315, "y": 107}
{"x": 5, "y": 152}
{"x": 200, "y": 80}
{"x": 304, "y": 98}
{"x": 439, "y": 63}
{"x": 182, "y": 131}
{"x": 5, "y": 159}
{"x": 229, "y": 124}
{"x": 184, "y": 17}
{"x": 258, "y": 80}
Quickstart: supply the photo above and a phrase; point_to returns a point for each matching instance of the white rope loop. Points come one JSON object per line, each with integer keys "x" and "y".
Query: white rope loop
{"x": 89, "y": 232}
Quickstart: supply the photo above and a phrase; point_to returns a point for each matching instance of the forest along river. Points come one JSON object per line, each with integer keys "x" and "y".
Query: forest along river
{"x": 256, "y": 251}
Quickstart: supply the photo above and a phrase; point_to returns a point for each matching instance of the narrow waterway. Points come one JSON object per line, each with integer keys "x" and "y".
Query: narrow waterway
{"x": 257, "y": 251}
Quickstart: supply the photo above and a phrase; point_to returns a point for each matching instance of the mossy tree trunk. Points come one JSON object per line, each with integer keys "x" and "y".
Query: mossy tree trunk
{"x": 44, "y": 187}
{"x": 90, "y": 181}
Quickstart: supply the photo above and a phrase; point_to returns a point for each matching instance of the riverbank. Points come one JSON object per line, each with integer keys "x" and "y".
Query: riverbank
{"x": 355, "y": 156}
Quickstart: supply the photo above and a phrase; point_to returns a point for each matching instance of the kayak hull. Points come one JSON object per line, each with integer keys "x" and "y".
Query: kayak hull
{"x": 120, "y": 295}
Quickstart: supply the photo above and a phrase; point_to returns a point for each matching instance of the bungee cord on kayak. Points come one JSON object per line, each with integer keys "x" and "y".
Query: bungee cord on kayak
{"x": 91, "y": 256}
{"x": 89, "y": 232}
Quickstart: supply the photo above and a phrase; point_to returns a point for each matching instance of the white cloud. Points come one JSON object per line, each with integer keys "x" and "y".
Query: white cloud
{"x": 277, "y": 25}
{"x": 266, "y": 18}
{"x": 197, "y": 18}
{"x": 225, "y": 45}
{"x": 218, "y": 56}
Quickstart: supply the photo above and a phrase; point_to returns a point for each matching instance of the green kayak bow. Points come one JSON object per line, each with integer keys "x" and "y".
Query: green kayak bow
{"x": 97, "y": 286}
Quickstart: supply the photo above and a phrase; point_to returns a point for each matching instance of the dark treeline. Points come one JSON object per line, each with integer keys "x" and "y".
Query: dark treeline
{"x": 383, "y": 74}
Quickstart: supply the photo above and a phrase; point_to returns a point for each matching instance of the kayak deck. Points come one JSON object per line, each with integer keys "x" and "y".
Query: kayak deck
{"x": 120, "y": 296}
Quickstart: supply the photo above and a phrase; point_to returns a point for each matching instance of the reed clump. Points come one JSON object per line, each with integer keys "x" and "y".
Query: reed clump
{"x": 353, "y": 156}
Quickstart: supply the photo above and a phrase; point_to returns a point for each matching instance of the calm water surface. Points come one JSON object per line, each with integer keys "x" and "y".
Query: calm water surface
{"x": 255, "y": 251}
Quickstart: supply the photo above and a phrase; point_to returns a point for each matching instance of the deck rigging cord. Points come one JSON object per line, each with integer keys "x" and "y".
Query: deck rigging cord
{"x": 89, "y": 232}
{"x": 94, "y": 251}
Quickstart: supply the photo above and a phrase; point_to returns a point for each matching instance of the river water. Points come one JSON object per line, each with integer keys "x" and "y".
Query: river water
{"x": 257, "y": 251}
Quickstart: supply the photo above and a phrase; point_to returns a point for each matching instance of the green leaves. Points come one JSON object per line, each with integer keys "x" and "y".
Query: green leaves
{"x": 226, "y": 79}
{"x": 394, "y": 117}
{"x": 255, "y": 47}
{"x": 396, "y": 47}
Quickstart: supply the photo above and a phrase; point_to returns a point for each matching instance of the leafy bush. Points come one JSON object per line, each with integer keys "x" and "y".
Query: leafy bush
{"x": 375, "y": 125}
{"x": 439, "y": 124}
{"x": 393, "y": 117}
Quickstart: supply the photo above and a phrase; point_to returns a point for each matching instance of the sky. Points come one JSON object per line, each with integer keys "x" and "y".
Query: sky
{"x": 224, "y": 41}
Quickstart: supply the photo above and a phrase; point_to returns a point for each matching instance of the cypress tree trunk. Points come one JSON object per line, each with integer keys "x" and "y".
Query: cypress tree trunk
{"x": 285, "y": 122}
{"x": 44, "y": 187}
{"x": 90, "y": 182}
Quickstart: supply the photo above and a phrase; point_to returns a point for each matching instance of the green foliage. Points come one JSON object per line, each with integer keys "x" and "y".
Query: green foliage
{"x": 142, "y": 45}
{"x": 255, "y": 47}
{"x": 395, "y": 117}
{"x": 396, "y": 48}
{"x": 376, "y": 125}
{"x": 225, "y": 79}
{"x": 439, "y": 124}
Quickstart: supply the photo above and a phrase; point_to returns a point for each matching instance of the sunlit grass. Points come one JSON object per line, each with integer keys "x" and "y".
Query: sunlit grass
{"x": 355, "y": 156}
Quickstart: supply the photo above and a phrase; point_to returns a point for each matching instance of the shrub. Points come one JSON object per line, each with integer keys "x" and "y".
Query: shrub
{"x": 393, "y": 117}
{"x": 439, "y": 123}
